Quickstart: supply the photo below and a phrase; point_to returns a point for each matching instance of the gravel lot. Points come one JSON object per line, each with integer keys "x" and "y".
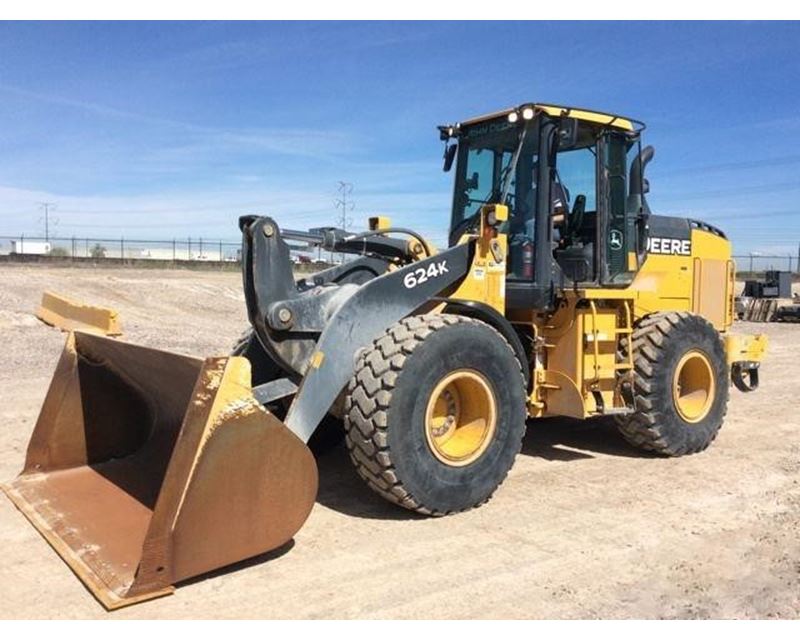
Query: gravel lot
{"x": 584, "y": 527}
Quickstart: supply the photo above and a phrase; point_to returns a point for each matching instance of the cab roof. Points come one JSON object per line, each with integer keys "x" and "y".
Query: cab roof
{"x": 608, "y": 119}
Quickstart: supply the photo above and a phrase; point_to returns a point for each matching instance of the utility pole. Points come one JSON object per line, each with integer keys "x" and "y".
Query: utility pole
{"x": 345, "y": 206}
{"x": 46, "y": 206}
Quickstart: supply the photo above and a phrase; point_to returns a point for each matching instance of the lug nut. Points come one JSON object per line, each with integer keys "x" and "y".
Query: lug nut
{"x": 269, "y": 230}
{"x": 284, "y": 315}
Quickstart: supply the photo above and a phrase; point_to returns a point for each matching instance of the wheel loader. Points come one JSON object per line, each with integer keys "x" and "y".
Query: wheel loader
{"x": 559, "y": 294}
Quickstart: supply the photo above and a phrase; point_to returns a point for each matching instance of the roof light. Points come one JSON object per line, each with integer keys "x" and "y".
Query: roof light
{"x": 527, "y": 113}
{"x": 513, "y": 117}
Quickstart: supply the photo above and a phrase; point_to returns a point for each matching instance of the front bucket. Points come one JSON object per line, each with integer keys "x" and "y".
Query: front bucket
{"x": 146, "y": 468}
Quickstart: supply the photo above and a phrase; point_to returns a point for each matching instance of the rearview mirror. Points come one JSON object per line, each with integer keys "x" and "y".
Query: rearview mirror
{"x": 567, "y": 133}
{"x": 449, "y": 156}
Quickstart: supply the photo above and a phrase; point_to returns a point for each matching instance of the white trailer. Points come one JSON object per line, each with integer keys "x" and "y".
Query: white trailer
{"x": 30, "y": 247}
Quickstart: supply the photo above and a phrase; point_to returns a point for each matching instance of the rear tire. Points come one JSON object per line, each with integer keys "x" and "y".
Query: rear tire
{"x": 680, "y": 384}
{"x": 435, "y": 413}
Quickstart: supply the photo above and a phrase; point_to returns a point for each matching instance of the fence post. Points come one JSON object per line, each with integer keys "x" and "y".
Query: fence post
{"x": 751, "y": 264}
{"x": 200, "y": 251}
{"x": 189, "y": 249}
{"x": 220, "y": 252}
{"x": 122, "y": 249}
{"x": 72, "y": 254}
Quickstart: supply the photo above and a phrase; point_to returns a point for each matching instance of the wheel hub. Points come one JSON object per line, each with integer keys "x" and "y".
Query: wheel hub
{"x": 693, "y": 386}
{"x": 461, "y": 417}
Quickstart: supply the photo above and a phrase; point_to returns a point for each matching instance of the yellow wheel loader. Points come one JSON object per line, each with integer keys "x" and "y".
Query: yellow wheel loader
{"x": 559, "y": 294}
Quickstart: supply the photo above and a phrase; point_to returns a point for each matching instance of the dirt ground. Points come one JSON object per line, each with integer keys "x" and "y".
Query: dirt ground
{"x": 584, "y": 526}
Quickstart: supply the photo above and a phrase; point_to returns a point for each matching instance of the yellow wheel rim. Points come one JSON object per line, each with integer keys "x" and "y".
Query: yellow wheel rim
{"x": 693, "y": 386}
{"x": 461, "y": 417}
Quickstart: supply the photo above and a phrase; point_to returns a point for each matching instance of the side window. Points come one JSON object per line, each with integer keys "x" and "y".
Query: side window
{"x": 574, "y": 209}
{"x": 578, "y": 175}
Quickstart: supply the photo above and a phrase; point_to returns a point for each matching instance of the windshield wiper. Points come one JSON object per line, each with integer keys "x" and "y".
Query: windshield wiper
{"x": 512, "y": 167}
{"x": 504, "y": 185}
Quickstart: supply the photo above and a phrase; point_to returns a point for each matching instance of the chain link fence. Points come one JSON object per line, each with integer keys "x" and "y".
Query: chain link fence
{"x": 199, "y": 250}
{"x": 189, "y": 249}
{"x": 194, "y": 251}
{"x": 758, "y": 263}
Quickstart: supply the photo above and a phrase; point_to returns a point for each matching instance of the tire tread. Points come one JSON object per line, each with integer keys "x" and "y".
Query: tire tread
{"x": 644, "y": 428}
{"x": 369, "y": 396}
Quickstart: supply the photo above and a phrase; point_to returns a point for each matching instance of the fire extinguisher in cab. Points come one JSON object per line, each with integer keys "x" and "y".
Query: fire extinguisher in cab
{"x": 527, "y": 259}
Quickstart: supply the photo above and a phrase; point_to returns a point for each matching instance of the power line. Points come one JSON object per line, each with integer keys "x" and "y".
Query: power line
{"x": 764, "y": 163}
{"x": 344, "y": 205}
{"x": 345, "y": 189}
{"x": 46, "y": 207}
{"x": 214, "y": 209}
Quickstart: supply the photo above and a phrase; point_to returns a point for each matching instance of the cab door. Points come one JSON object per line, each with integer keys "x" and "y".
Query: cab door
{"x": 617, "y": 234}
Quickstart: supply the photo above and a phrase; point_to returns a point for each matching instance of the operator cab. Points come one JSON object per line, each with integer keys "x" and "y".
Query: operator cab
{"x": 572, "y": 180}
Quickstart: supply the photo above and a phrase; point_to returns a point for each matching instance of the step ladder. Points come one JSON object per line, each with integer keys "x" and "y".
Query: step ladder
{"x": 616, "y": 372}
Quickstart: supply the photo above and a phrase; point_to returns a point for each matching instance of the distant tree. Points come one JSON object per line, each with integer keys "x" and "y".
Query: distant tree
{"x": 59, "y": 252}
{"x": 98, "y": 251}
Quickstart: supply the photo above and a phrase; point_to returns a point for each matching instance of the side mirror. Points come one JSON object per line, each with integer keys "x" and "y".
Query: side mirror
{"x": 567, "y": 133}
{"x": 449, "y": 156}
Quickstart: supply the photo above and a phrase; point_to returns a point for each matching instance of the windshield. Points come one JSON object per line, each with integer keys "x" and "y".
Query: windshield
{"x": 488, "y": 171}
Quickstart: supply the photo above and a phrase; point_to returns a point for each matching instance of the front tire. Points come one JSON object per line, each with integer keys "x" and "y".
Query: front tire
{"x": 680, "y": 384}
{"x": 435, "y": 413}
{"x": 330, "y": 432}
{"x": 263, "y": 368}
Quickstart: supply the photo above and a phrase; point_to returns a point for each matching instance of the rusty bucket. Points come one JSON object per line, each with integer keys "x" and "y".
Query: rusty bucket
{"x": 146, "y": 468}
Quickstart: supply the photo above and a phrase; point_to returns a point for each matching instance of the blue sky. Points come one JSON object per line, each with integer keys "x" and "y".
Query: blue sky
{"x": 157, "y": 130}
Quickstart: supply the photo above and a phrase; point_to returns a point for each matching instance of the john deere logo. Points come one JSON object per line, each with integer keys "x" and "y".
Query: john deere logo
{"x": 615, "y": 240}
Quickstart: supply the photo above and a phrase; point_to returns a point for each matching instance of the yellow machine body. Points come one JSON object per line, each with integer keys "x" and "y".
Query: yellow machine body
{"x": 580, "y": 357}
